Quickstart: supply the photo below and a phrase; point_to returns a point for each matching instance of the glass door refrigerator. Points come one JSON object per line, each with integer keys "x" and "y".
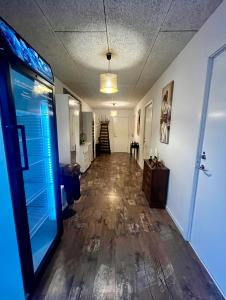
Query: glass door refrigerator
{"x": 28, "y": 121}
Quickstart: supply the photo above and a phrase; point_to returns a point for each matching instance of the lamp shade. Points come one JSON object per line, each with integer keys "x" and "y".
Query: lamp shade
{"x": 114, "y": 113}
{"x": 108, "y": 83}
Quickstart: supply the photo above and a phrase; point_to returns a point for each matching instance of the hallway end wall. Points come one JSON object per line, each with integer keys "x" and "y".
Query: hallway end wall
{"x": 188, "y": 71}
{"x": 107, "y": 113}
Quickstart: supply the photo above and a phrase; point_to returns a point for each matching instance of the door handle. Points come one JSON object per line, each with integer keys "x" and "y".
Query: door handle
{"x": 205, "y": 171}
{"x": 24, "y": 146}
{"x": 203, "y": 156}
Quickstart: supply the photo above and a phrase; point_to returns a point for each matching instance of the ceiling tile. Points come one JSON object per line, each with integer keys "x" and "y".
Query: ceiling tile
{"x": 168, "y": 45}
{"x": 141, "y": 16}
{"x": 39, "y": 35}
{"x": 78, "y": 58}
{"x": 87, "y": 48}
{"x": 132, "y": 27}
{"x": 78, "y": 15}
{"x": 189, "y": 15}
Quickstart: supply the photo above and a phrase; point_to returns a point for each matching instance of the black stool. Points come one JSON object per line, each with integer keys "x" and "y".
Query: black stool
{"x": 134, "y": 149}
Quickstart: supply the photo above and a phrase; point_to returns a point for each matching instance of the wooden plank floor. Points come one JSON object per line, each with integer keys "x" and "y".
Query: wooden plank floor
{"x": 117, "y": 248}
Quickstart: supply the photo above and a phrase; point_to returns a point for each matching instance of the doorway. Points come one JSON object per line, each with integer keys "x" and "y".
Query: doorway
{"x": 121, "y": 134}
{"x": 209, "y": 222}
{"x": 147, "y": 130}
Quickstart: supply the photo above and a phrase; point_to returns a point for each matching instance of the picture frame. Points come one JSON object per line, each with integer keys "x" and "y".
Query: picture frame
{"x": 138, "y": 121}
{"x": 166, "y": 109}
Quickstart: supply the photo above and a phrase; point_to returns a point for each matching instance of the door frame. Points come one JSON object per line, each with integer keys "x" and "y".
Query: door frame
{"x": 145, "y": 107}
{"x": 201, "y": 137}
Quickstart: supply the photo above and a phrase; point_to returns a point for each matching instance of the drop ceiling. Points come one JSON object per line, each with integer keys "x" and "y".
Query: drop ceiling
{"x": 74, "y": 36}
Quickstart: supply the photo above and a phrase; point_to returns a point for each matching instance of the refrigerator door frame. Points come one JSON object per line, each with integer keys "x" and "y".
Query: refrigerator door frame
{"x": 9, "y": 124}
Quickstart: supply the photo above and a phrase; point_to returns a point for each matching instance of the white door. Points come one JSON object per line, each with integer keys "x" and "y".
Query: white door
{"x": 209, "y": 222}
{"x": 121, "y": 134}
{"x": 147, "y": 130}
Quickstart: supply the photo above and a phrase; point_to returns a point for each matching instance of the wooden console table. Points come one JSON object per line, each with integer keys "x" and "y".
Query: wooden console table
{"x": 155, "y": 185}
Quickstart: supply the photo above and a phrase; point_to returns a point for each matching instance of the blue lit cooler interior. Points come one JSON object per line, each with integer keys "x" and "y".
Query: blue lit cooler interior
{"x": 34, "y": 110}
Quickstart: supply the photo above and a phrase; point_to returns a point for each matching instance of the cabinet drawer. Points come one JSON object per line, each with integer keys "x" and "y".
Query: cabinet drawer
{"x": 147, "y": 170}
{"x": 155, "y": 185}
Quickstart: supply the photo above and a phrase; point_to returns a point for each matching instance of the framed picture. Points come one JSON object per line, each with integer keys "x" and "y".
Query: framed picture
{"x": 138, "y": 122}
{"x": 166, "y": 107}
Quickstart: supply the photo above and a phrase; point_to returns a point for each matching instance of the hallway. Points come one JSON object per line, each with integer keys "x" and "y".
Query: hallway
{"x": 116, "y": 247}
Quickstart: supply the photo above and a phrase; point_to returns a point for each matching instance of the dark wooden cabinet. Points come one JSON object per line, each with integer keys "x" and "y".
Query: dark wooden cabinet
{"x": 155, "y": 185}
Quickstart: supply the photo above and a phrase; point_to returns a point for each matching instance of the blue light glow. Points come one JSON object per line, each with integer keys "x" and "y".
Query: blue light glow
{"x": 23, "y": 51}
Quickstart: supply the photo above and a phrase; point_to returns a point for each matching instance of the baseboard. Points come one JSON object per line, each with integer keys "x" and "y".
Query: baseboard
{"x": 175, "y": 221}
{"x": 207, "y": 270}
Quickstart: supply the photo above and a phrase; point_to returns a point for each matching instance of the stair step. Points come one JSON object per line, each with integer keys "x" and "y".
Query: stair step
{"x": 104, "y": 138}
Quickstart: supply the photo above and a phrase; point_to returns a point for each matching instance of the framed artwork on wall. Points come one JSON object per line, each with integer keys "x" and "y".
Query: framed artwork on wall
{"x": 138, "y": 122}
{"x": 166, "y": 107}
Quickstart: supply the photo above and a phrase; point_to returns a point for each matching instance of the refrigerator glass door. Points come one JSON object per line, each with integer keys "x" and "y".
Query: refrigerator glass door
{"x": 35, "y": 125}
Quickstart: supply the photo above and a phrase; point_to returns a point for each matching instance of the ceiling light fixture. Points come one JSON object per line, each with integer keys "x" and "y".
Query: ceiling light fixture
{"x": 114, "y": 113}
{"x": 108, "y": 81}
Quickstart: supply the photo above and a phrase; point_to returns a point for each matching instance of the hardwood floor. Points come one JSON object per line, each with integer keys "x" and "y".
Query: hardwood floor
{"x": 117, "y": 248}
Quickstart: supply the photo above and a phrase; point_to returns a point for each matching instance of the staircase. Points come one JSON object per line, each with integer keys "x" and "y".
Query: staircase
{"x": 104, "y": 137}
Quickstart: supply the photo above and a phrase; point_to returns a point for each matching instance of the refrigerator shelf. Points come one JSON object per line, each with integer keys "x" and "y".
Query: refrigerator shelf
{"x": 31, "y": 164}
{"x": 28, "y": 139}
{"x": 33, "y": 190}
{"x": 25, "y": 113}
{"x": 35, "y": 222}
{"x": 37, "y": 211}
{"x": 34, "y": 159}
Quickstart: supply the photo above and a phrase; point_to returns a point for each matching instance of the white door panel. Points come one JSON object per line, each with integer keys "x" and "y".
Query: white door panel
{"x": 121, "y": 134}
{"x": 209, "y": 222}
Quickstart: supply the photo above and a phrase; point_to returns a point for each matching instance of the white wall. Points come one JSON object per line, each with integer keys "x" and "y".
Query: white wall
{"x": 121, "y": 113}
{"x": 63, "y": 128}
{"x": 188, "y": 71}
{"x": 59, "y": 85}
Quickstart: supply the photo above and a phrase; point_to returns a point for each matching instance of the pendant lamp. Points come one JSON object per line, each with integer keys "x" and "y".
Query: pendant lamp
{"x": 114, "y": 113}
{"x": 108, "y": 81}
